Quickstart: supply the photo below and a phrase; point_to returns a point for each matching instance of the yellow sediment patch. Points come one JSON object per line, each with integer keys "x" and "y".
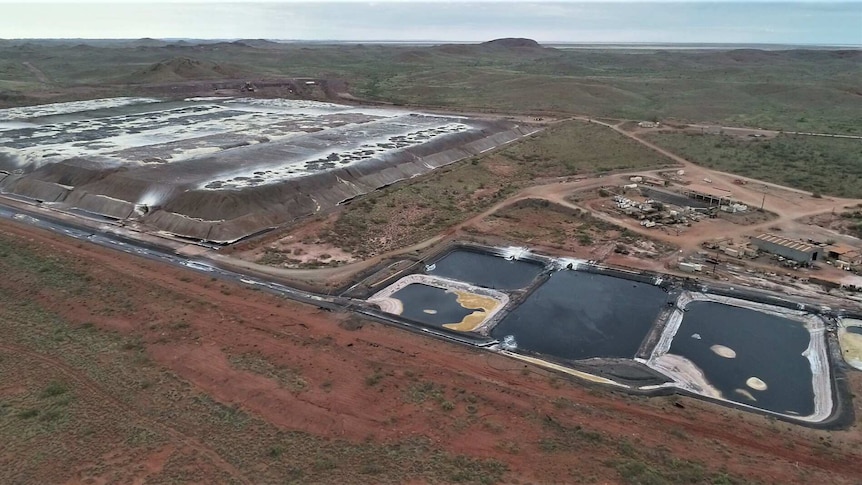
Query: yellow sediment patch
{"x": 483, "y": 304}
{"x": 745, "y": 393}
{"x": 756, "y": 384}
{"x": 723, "y": 351}
{"x": 851, "y": 348}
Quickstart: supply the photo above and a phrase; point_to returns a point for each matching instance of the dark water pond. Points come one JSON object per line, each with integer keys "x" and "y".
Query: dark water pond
{"x": 442, "y": 307}
{"x": 577, "y": 315}
{"x": 767, "y": 347}
{"x": 856, "y": 330}
{"x": 486, "y": 270}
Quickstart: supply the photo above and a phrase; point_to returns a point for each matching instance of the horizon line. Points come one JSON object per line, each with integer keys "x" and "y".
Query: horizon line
{"x": 423, "y": 41}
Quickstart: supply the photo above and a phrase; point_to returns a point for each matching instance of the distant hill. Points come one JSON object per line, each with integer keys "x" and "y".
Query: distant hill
{"x": 183, "y": 69}
{"x": 180, "y": 43}
{"x": 507, "y": 47}
{"x": 513, "y": 43}
{"x": 258, "y": 43}
{"x": 146, "y": 42}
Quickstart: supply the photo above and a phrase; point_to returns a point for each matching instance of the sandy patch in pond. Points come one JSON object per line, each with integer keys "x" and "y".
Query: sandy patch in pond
{"x": 685, "y": 373}
{"x": 723, "y": 351}
{"x": 745, "y": 393}
{"x": 389, "y": 305}
{"x": 756, "y": 384}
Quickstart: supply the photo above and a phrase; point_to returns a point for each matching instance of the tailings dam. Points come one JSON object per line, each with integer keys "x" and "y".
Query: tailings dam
{"x": 221, "y": 169}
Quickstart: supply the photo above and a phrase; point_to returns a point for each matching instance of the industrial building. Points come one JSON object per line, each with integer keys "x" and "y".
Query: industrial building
{"x": 711, "y": 195}
{"x": 846, "y": 256}
{"x": 798, "y": 251}
{"x": 841, "y": 251}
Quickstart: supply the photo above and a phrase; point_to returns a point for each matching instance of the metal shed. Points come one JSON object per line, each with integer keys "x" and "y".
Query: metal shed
{"x": 711, "y": 195}
{"x": 795, "y": 250}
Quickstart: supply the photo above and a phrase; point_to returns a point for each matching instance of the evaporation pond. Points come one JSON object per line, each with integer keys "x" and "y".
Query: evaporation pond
{"x": 430, "y": 305}
{"x": 578, "y": 315}
{"x": 486, "y": 270}
{"x": 751, "y": 357}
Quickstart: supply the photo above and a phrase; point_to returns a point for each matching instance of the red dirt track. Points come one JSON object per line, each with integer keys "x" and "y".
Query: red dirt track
{"x": 513, "y": 403}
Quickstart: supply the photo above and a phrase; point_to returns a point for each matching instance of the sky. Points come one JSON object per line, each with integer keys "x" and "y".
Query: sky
{"x": 693, "y": 21}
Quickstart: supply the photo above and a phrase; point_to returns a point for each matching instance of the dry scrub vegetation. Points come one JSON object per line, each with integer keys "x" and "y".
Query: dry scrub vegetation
{"x": 412, "y": 212}
{"x": 542, "y": 223}
{"x": 821, "y": 165}
{"x": 806, "y": 90}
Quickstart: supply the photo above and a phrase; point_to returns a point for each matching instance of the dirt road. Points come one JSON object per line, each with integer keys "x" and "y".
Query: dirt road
{"x": 37, "y": 72}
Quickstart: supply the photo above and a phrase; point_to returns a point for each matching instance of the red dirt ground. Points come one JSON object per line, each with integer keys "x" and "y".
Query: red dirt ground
{"x": 513, "y": 404}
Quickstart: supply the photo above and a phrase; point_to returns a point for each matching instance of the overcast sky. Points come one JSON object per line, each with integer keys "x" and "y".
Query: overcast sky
{"x": 813, "y": 22}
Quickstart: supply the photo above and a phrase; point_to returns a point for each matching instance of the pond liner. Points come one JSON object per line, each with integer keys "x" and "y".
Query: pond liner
{"x": 849, "y": 314}
{"x": 760, "y": 297}
{"x": 528, "y": 257}
{"x": 486, "y": 270}
{"x": 610, "y": 368}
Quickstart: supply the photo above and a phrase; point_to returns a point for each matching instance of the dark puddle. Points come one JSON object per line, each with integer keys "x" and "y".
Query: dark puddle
{"x": 856, "y": 330}
{"x": 430, "y": 305}
{"x": 486, "y": 270}
{"x": 577, "y": 315}
{"x": 767, "y": 347}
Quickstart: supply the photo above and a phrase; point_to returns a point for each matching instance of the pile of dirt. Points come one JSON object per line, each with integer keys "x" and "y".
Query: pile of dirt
{"x": 183, "y": 69}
